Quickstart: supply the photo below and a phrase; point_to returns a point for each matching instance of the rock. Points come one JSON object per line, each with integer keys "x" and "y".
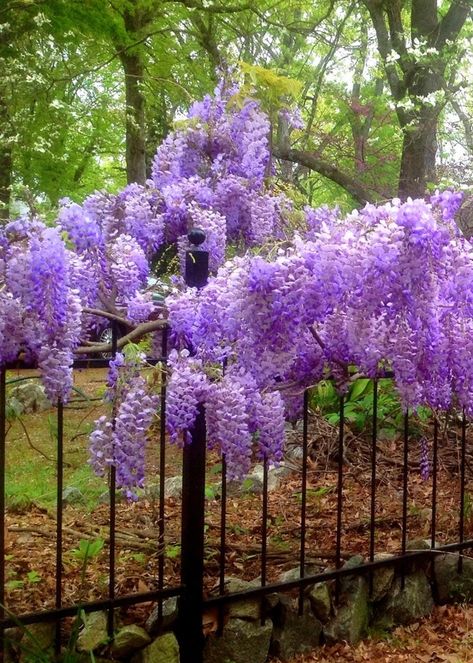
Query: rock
{"x": 294, "y": 453}
{"x": 94, "y": 632}
{"x": 247, "y": 608}
{"x": 452, "y": 585}
{"x": 37, "y": 638}
{"x": 164, "y": 649}
{"x": 295, "y": 573}
{"x": 320, "y": 601}
{"x": 31, "y": 397}
{"x": 350, "y": 621}
{"x": 14, "y": 407}
{"x": 72, "y": 495}
{"x": 104, "y": 498}
{"x": 256, "y": 476}
{"x": 281, "y": 471}
{"x": 152, "y": 489}
{"x": 242, "y": 641}
{"x": 382, "y": 579}
{"x": 173, "y": 487}
{"x": 290, "y": 574}
{"x": 129, "y": 639}
{"x": 293, "y": 633}
{"x": 12, "y": 648}
{"x": 168, "y": 617}
{"x": 404, "y": 606}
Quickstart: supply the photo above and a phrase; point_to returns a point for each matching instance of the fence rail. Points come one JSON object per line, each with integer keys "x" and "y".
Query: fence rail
{"x": 190, "y": 589}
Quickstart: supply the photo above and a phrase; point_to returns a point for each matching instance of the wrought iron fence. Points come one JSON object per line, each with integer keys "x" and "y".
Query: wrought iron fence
{"x": 193, "y": 600}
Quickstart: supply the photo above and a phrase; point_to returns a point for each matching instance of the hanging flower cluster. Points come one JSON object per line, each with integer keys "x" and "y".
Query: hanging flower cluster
{"x": 122, "y": 444}
{"x": 40, "y": 307}
{"x": 387, "y": 287}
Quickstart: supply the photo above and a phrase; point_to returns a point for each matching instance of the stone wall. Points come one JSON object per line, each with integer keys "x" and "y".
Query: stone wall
{"x": 258, "y": 629}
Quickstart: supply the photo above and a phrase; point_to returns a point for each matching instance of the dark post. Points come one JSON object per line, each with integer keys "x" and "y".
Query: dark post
{"x": 3, "y": 428}
{"x": 193, "y": 496}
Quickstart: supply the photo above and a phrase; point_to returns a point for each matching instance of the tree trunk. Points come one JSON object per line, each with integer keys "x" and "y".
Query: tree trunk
{"x": 135, "y": 117}
{"x": 414, "y": 78}
{"x": 6, "y": 164}
{"x": 419, "y": 149}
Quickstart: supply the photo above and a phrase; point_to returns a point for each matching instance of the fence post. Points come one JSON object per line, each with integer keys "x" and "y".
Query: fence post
{"x": 193, "y": 497}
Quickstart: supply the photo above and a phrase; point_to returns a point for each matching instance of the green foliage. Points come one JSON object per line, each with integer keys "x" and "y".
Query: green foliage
{"x": 62, "y": 96}
{"x": 88, "y": 549}
{"x": 272, "y": 89}
{"x": 172, "y": 551}
{"x": 359, "y": 403}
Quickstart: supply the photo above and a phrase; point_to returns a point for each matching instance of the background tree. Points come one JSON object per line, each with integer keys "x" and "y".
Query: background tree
{"x": 89, "y": 89}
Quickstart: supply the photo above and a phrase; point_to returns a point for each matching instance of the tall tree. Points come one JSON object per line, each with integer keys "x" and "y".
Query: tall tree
{"x": 417, "y": 45}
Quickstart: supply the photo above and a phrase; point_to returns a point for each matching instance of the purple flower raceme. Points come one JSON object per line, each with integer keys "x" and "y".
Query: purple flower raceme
{"x": 134, "y": 417}
{"x": 390, "y": 285}
{"x": 187, "y": 388}
{"x": 120, "y": 440}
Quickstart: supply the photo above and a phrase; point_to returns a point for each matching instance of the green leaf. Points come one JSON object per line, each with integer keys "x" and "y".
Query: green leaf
{"x": 88, "y": 549}
{"x": 172, "y": 551}
{"x": 359, "y": 388}
{"x": 14, "y": 584}
{"x": 33, "y": 577}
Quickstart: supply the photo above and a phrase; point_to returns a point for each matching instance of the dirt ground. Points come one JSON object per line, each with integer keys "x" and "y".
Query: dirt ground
{"x": 31, "y": 527}
{"x": 445, "y": 637}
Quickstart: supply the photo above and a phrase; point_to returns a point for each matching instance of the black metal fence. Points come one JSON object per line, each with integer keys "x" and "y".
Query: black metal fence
{"x": 193, "y": 600}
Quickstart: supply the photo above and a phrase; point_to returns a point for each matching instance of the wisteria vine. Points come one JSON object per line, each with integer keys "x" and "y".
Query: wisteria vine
{"x": 389, "y": 287}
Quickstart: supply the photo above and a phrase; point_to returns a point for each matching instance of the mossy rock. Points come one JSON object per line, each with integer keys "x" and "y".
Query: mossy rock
{"x": 451, "y": 584}
{"x": 350, "y": 622}
{"x": 242, "y": 641}
{"x": 405, "y": 603}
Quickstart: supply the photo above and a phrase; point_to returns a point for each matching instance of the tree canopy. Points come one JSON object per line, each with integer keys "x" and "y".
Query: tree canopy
{"x": 88, "y": 90}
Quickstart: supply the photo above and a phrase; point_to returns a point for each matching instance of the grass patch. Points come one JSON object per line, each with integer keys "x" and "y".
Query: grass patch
{"x": 31, "y": 453}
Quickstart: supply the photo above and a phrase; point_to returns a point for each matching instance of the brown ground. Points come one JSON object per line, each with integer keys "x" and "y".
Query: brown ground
{"x": 31, "y": 530}
{"x": 445, "y": 637}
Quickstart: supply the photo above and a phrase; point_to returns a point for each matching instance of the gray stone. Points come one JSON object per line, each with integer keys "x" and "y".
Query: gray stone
{"x": 382, "y": 578}
{"x": 173, "y": 487}
{"x": 37, "y": 638}
{"x": 129, "y": 639}
{"x": 72, "y": 495}
{"x": 419, "y": 544}
{"x": 295, "y": 573}
{"x": 168, "y": 616}
{"x": 12, "y": 648}
{"x": 405, "y": 605}
{"x": 31, "y": 396}
{"x": 282, "y": 471}
{"x": 104, "y": 498}
{"x": 290, "y": 574}
{"x": 93, "y": 632}
{"x": 14, "y": 407}
{"x": 242, "y": 641}
{"x": 164, "y": 649}
{"x": 152, "y": 489}
{"x": 452, "y": 585}
{"x": 293, "y": 633}
{"x": 257, "y": 476}
{"x": 320, "y": 601}
{"x": 245, "y": 609}
{"x": 350, "y": 621}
